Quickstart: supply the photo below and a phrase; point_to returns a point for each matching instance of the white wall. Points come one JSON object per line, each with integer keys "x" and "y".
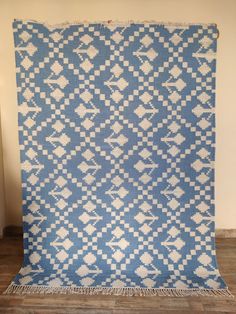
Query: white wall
{"x": 222, "y": 12}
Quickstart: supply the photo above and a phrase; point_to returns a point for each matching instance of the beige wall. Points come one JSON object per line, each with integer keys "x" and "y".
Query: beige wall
{"x": 222, "y": 12}
{"x": 2, "y": 196}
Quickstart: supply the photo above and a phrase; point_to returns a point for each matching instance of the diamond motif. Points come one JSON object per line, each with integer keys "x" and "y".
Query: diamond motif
{"x": 117, "y": 37}
{"x": 92, "y": 52}
{"x": 117, "y": 203}
{"x": 203, "y": 207}
{"x": 61, "y": 204}
{"x": 86, "y": 96}
{"x": 146, "y": 41}
{"x": 117, "y": 152}
{"x": 28, "y": 94}
{"x": 86, "y": 39}
{"x": 173, "y": 204}
{"x": 145, "y": 206}
{"x": 118, "y": 256}
{"x": 145, "y": 153}
{"x": 118, "y": 232}
{"x": 203, "y": 97}
{"x": 175, "y": 71}
{"x": 175, "y": 39}
{"x": 62, "y": 256}
{"x": 117, "y": 70}
{"x": 58, "y": 126}
{"x": 56, "y": 36}
{"x": 57, "y": 94}
{"x": 117, "y": 127}
{"x": 87, "y": 124}
{"x": 67, "y": 244}
{"x": 116, "y": 96}
{"x": 145, "y": 229}
{"x": 59, "y": 151}
{"x": 146, "y": 67}
{"x": 89, "y": 206}
{"x": 90, "y": 259}
{"x": 117, "y": 181}
{"x": 60, "y": 181}
{"x": 145, "y": 178}
{"x": 31, "y": 153}
{"x": 25, "y": 36}
{"x": 35, "y": 229}
{"x": 33, "y": 179}
{"x": 146, "y": 98}
{"x": 204, "y": 124}
{"x": 174, "y": 97}
{"x": 204, "y": 69}
{"x": 62, "y": 232}
{"x": 84, "y": 218}
{"x": 205, "y": 42}
{"x": 175, "y": 256}
{"x": 202, "y": 178}
{"x": 88, "y": 154}
{"x": 89, "y": 179}
{"x": 90, "y": 229}
{"x": 26, "y": 63}
{"x": 56, "y": 67}
{"x": 29, "y": 123}
{"x": 35, "y": 258}
{"x": 86, "y": 65}
{"x": 145, "y": 124}
{"x": 174, "y": 151}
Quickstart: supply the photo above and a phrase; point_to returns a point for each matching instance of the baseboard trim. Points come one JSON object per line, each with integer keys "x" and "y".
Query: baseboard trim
{"x": 16, "y": 231}
{"x": 225, "y": 233}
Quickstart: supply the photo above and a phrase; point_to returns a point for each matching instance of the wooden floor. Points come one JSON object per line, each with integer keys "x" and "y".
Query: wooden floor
{"x": 10, "y": 261}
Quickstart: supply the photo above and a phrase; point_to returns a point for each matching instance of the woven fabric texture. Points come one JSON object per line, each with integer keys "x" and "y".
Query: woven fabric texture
{"x": 116, "y": 131}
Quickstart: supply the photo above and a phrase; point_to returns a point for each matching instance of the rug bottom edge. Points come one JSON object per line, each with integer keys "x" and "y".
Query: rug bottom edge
{"x": 118, "y": 291}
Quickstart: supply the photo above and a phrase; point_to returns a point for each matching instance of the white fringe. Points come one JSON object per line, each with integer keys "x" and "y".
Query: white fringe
{"x": 115, "y": 23}
{"x": 125, "y": 291}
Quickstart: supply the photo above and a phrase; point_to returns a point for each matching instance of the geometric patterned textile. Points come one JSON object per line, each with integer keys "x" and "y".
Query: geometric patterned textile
{"x": 117, "y": 144}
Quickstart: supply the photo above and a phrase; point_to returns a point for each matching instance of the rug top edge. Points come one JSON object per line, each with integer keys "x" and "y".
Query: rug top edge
{"x": 115, "y": 23}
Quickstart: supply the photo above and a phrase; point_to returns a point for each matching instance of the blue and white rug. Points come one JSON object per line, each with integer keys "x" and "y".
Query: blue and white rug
{"x": 116, "y": 131}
